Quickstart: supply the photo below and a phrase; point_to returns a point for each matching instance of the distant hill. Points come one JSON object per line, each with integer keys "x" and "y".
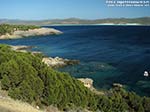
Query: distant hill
{"x": 77, "y": 21}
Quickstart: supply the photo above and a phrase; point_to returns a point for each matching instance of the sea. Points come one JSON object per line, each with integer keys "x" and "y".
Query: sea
{"x": 107, "y": 54}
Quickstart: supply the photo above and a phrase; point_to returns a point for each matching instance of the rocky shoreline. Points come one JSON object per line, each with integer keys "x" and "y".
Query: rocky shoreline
{"x": 31, "y": 32}
{"x": 58, "y": 62}
{"x": 54, "y": 62}
{"x": 88, "y": 82}
{"x": 23, "y": 48}
{"x": 20, "y": 47}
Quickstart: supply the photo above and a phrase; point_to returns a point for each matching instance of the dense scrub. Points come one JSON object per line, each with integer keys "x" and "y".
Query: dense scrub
{"x": 6, "y": 28}
{"x": 26, "y": 78}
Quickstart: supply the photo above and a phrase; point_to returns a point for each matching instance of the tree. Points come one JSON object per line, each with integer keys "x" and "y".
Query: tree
{"x": 11, "y": 70}
{"x": 146, "y": 104}
{"x": 5, "y": 82}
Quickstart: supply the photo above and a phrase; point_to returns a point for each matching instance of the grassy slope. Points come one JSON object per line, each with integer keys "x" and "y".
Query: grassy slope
{"x": 10, "y": 105}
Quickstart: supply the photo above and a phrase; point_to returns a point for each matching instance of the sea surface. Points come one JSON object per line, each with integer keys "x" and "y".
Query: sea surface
{"x": 107, "y": 54}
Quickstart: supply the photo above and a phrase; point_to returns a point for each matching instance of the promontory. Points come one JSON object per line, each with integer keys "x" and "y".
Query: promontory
{"x": 19, "y": 31}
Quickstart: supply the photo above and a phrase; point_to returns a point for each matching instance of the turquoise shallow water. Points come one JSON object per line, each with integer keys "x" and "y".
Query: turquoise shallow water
{"x": 98, "y": 71}
{"x": 107, "y": 54}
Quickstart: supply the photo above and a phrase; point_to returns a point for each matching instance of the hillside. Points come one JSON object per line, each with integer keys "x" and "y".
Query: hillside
{"x": 77, "y": 21}
{"x": 26, "y": 78}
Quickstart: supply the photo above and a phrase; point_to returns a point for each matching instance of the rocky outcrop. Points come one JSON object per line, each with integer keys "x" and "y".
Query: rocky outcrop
{"x": 59, "y": 62}
{"x": 49, "y": 61}
{"x": 87, "y": 82}
{"x": 24, "y": 48}
{"x": 31, "y": 32}
{"x": 117, "y": 85}
{"x": 20, "y": 47}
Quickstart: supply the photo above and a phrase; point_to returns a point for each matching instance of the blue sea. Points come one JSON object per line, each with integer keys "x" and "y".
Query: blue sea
{"x": 107, "y": 54}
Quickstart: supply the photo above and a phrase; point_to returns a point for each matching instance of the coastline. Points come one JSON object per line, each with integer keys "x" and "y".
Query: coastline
{"x": 101, "y": 24}
{"x": 31, "y": 32}
{"x": 58, "y": 62}
{"x": 54, "y": 62}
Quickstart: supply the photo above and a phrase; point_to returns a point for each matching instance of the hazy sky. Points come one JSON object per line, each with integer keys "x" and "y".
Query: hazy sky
{"x": 51, "y": 9}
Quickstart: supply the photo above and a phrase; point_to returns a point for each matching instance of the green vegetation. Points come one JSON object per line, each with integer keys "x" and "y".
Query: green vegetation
{"x": 26, "y": 78}
{"x": 6, "y": 28}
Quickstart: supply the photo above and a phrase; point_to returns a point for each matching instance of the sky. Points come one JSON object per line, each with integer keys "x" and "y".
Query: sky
{"x": 60, "y": 9}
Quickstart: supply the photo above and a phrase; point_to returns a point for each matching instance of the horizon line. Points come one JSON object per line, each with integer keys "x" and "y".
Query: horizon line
{"x": 75, "y": 18}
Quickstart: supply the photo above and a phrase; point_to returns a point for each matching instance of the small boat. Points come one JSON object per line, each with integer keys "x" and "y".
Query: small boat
{"x": 146, "y": 74}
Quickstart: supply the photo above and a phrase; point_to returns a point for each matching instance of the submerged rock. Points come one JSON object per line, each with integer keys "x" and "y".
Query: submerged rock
{"x": 143, "y": 84}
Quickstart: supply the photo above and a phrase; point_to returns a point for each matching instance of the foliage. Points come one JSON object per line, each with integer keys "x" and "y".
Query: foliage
{"x": 26, "y": 78}
{"x": 9, "y": 29}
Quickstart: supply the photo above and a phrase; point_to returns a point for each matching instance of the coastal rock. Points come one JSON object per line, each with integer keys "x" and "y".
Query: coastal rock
{"x": 87, "y": 82}
{"x": 31, "y": 32}
{"x": 25, "y": 49}
{"x": 52, "y": 62}
{"x": 117, "y": 85}
{"x": 20, "y": 47}
{"x": 59, "y": 62}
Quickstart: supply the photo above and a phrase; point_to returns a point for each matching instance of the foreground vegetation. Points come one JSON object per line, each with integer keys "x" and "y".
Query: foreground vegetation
{"x": 10, "y": 105}
{"x": 9, "y": 29}
{"x": 26, "y": 78}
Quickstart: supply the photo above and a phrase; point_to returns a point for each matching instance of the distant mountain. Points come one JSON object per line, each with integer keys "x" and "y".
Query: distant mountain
{"x": 77, "y": 21}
